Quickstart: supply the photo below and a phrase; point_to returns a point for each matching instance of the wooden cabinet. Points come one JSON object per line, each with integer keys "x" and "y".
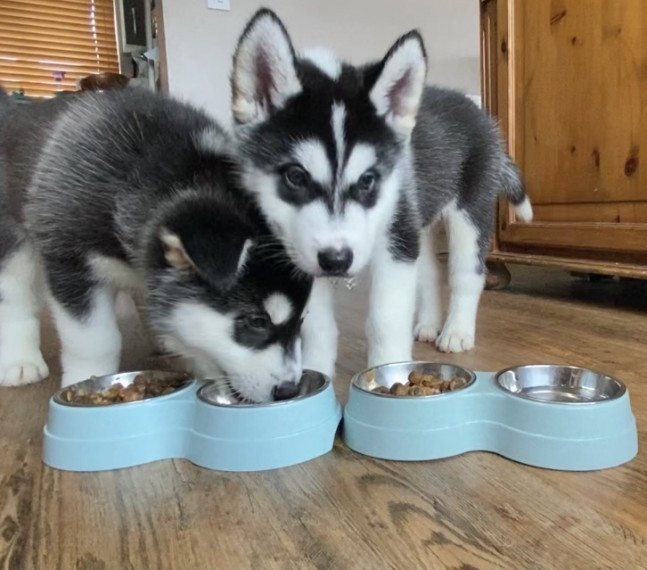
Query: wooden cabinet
{"x": 568, "y": 81}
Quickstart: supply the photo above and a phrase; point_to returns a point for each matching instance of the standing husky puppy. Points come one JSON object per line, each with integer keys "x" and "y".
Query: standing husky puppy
{"x": 331, "y": 155}
{"x": 132, "y": 190}
{"x": 461, "y": 170}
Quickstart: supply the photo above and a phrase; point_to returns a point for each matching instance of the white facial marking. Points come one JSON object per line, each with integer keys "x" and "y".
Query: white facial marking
{"x": 311, "y": 154}
{"x": 206, "y": 337}
{"x": 325, "y": 60}
{"x": 311, "y": 228}
{"x": 361, "y": 158}
{"x": 21, "y": 286}
{"x": 278, "y": 307}
{"x": 339, "y": 132}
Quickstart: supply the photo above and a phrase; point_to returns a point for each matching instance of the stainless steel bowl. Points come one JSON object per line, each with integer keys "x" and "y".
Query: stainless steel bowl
{"x": 219, "y": 394}
{"x": 389, "y": 374}
{"x": 100, "y": 383}
{"x": 559, "y": 384}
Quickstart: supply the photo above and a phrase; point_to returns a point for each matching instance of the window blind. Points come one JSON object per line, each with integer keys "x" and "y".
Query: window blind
{"x": 48, "y": 45}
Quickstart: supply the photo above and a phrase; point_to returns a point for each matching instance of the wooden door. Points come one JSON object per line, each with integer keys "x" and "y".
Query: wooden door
{"x": 568, "y": 79}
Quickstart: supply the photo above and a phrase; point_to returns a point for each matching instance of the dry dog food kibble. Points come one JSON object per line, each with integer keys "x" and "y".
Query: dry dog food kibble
{"x": 144, "y": 386}
{"x": 421, "y": 384}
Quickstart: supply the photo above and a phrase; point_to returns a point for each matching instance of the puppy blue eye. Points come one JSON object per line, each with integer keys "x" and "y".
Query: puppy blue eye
{"x": 296, "y": 177}
{"x": 364, "y": 190}
{"x": 367, "y": 181}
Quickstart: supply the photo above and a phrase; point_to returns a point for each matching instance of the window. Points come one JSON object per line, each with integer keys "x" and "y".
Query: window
{"x": 48, "y": 45}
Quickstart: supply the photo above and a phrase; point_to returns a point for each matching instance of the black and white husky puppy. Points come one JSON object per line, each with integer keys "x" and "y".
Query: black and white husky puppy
{"x": 351, "y": 164}
{"x": 132, "y": 190}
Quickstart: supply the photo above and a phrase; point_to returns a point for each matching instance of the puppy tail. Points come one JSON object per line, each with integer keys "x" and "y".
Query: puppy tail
{"x": 514, "y": 190}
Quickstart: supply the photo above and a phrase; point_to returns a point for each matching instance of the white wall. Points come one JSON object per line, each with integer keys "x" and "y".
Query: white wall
{"x": 200, "y": 42}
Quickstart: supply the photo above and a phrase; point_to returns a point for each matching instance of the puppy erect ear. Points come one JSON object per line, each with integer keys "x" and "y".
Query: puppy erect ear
{"x": 219, "y": 260}
{"x": 397, "y": 91}
{"x": 174, "y": 251}
{"x": 264, "y": 75}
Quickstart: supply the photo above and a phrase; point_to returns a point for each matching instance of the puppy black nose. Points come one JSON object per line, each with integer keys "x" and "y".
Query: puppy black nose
{"x": 335, "y": 261}
{"x": 285, "y": 391}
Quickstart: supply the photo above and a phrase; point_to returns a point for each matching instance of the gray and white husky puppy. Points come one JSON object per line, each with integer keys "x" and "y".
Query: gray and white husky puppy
{"x": 133, "y": 190}
{"x": 351, "y": 164}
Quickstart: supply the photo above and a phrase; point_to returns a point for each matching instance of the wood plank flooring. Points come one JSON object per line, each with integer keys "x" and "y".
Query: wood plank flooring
{"x": 344, "y": 510}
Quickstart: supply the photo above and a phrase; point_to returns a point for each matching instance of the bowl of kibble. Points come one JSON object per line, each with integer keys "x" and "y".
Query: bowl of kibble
{"x": 122, "y": 388}
{"x": 414, "y": 379}
{"x": 128, "y": 419}
{"x": 557, "y": 417}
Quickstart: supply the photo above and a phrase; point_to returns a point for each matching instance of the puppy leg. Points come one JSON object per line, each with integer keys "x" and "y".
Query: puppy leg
{"x": 156, "y": 343}
{"x": 466, "y": 281}
{"x": 430, "y": 312}
{"x": 90, "y": 337}
{"x": 21, "y": 361}
{"x": 319, "y": 330}
{"x": 392, "y": 305}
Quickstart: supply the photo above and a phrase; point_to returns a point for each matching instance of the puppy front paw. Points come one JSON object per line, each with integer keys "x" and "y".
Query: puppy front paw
{"x": 426, "y": 332}
{"x": 455, "y": 339}
{"x": 25, "y": 369}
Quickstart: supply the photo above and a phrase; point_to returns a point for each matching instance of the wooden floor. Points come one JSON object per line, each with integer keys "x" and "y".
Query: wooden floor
{"x": 345, "y": 510}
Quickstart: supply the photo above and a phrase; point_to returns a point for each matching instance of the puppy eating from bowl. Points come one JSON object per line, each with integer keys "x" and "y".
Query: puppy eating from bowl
{"x": 101, "y": 192}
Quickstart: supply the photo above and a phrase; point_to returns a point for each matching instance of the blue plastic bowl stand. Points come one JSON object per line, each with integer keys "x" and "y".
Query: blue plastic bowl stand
{"x": 483, "y": 417}
{"x": 180, "y": 425}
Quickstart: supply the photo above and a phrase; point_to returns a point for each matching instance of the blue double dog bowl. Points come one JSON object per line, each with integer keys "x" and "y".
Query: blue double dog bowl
{"x": 195, "y": 422}
{"x": 556, "y": 417}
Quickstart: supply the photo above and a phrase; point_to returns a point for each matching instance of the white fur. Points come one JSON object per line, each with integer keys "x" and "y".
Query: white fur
{"x": 325, "y": 60}
{"x": 265, "y": 43}
{"x": 21, "y": 361}
{"x": 361, "y": 158}
{"x": 244, "y": 254}
{"x": 311, "y": 154}
{"x": 279, "y": 308}
{"x": 112, "y": 271}
{"x": 523, "y": 211}
{"x": 312, "y": 228}
{"x": 430, "y": 312}
{"x": 213, "y": 141}
{"x": 319, "y": 330}
{"x": 406, "y": 64}
{"x": 90, "y": 346}
{"x": 206, "y": 336}
{"x": 392, "y": 305}
{"x": 466, "y": 283}
{"x": 339, "y": 133}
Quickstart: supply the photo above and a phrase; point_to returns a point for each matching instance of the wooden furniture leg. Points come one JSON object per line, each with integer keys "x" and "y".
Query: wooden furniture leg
{"x": 498, "y": 276}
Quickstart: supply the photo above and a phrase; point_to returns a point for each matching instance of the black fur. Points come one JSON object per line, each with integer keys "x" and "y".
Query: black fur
{"x": 104, "y": 174}
{"x": 459, "y": 156}
{"x": 269, "y": 144}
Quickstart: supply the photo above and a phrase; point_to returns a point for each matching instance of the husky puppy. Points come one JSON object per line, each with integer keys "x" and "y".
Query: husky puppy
{"x": 350, "y": 165}
{"x": 132, "y": 190}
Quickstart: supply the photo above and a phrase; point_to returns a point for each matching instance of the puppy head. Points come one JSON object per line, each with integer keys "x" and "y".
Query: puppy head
{"x": 227, "y": 297}
{"x": 324, "y": 142}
